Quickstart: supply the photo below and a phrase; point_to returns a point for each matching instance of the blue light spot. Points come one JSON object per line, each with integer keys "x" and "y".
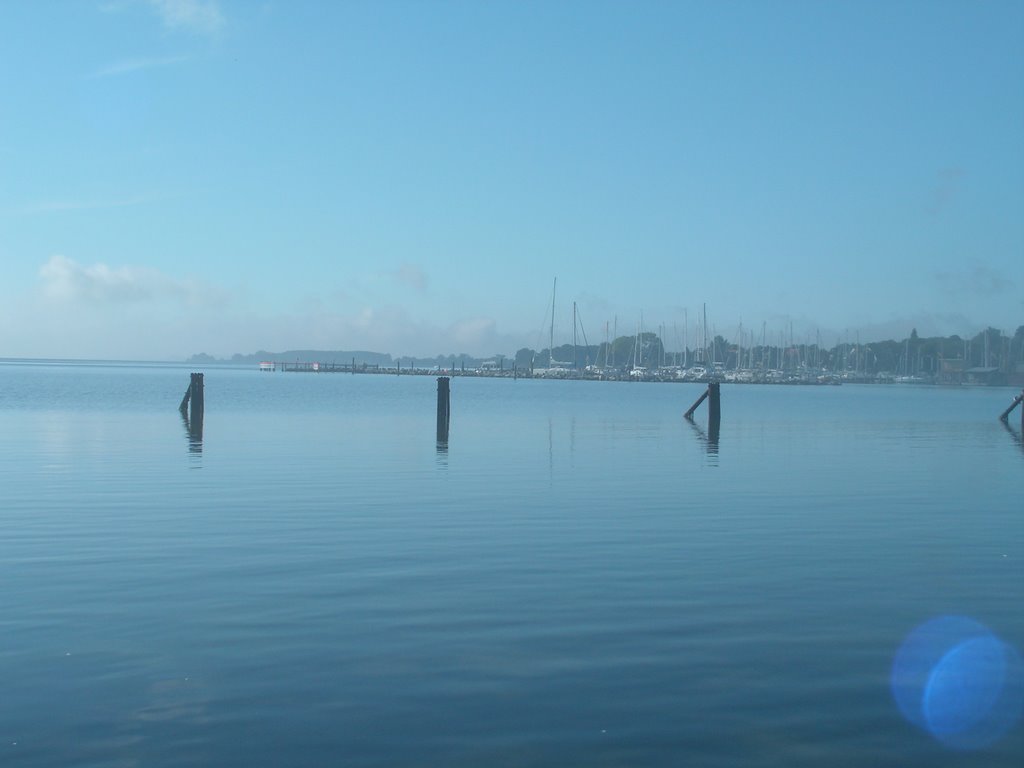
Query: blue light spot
{"x": 959, "y": 682}
{"x": 964, "y": 686}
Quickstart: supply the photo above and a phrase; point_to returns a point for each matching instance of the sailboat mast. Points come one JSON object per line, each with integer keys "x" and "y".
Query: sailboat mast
{"x": 765, "y": 361}
{"x": 616, "y": 334}
{"x": 705, "y": 331}
{"x": 551, "y": 342}
{"x": 686, "y": 338}
{"x": 739, "y": 347}
{"x": 640, "y": 339}
{"x": 574, "y": 335}
{"x": 607, "y": 343}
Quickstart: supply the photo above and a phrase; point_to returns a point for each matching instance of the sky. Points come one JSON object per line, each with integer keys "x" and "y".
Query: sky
{"x": 186, "y": 176}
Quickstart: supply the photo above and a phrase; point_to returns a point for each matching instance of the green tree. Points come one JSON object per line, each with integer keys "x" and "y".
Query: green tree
{"x": 525, "y": 358}
{"x": 1017, "y": 347}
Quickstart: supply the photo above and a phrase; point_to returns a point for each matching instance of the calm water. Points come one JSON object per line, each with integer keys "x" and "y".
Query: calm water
{"x": 582, "y": 578}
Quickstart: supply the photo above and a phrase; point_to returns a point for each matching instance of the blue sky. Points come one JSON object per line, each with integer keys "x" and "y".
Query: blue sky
{"x": 182, "y": 176}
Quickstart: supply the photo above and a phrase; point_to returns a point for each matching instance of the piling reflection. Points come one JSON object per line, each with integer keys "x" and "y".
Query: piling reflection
{"x": 193, "y": 431}
{"x": 191, "y": 409}
{"x": 551, "y": 451}
{"x": 572, "y": 442}
{"x": 709, "y": 438}
{"x": 444, "y": 415}
{"x": 1018, "y": 437}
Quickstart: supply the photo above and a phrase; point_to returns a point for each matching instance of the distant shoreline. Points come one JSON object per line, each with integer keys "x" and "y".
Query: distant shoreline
{"x": 991, "y": 377}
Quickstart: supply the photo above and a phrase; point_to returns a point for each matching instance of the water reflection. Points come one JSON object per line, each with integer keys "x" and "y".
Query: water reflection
{"x": 551, "y": 452}
{"x": 572, "y": 442}
{"x": 442, "y": 454}
{"x": 709, "y": 438}
{"x": 1017, "y": 436}
{"x": 191, "y": 410}
{"x": 193, "y": 430}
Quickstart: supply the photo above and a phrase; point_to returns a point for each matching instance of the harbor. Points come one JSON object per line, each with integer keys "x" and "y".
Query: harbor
{"x": 671, "y": 374}
{"x": 696, "y": 353}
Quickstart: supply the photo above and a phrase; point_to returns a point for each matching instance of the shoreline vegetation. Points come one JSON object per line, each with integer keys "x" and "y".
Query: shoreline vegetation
{"x": 989, "y": 358}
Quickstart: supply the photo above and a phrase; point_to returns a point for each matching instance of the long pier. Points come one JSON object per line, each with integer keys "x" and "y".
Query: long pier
{"x": 514, "y": 372}
{"x": 670, "y": 375}
{"x": 272, "y": 366}
{"x": 300, "y": 367}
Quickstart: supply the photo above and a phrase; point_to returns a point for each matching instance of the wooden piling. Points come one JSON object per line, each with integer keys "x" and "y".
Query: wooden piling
{"x": 714, "y": 429}
{"x": 192, "y": 405}
{"x": 443, "y": 408}
{"x": 703, "y": 396}
{"x": 197, "y": 405}
{"x": 1016, "y": 401}
{"x": 714, "y": 403}
{"x": 713, "y": 395}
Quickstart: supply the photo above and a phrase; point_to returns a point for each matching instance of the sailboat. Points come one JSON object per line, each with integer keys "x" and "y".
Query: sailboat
{"x": 639, "y": 371}
{"x": 555, "y": 368}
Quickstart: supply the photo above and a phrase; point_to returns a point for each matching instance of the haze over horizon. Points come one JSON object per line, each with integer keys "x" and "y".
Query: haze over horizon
{"x": 187, "y": 176}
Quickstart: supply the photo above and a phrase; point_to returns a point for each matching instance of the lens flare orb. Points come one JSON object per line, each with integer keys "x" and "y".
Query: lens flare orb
{"x": 955, "y": 679}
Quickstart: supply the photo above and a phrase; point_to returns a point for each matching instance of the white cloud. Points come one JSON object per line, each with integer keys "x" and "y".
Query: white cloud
{"x": 412, "y": 276}
{"x": 979, "y": 280}
{"x": 125, "y": 66}
{"x": 65, "y": 280}
{"x": 123, "y": 311}
{"x": 474, "y": 333}
{"x": 203, "y": 16}
{"x": 945, "y": 190}
{"x": 899, "y": 325}
{"x": 388, "y": 328}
